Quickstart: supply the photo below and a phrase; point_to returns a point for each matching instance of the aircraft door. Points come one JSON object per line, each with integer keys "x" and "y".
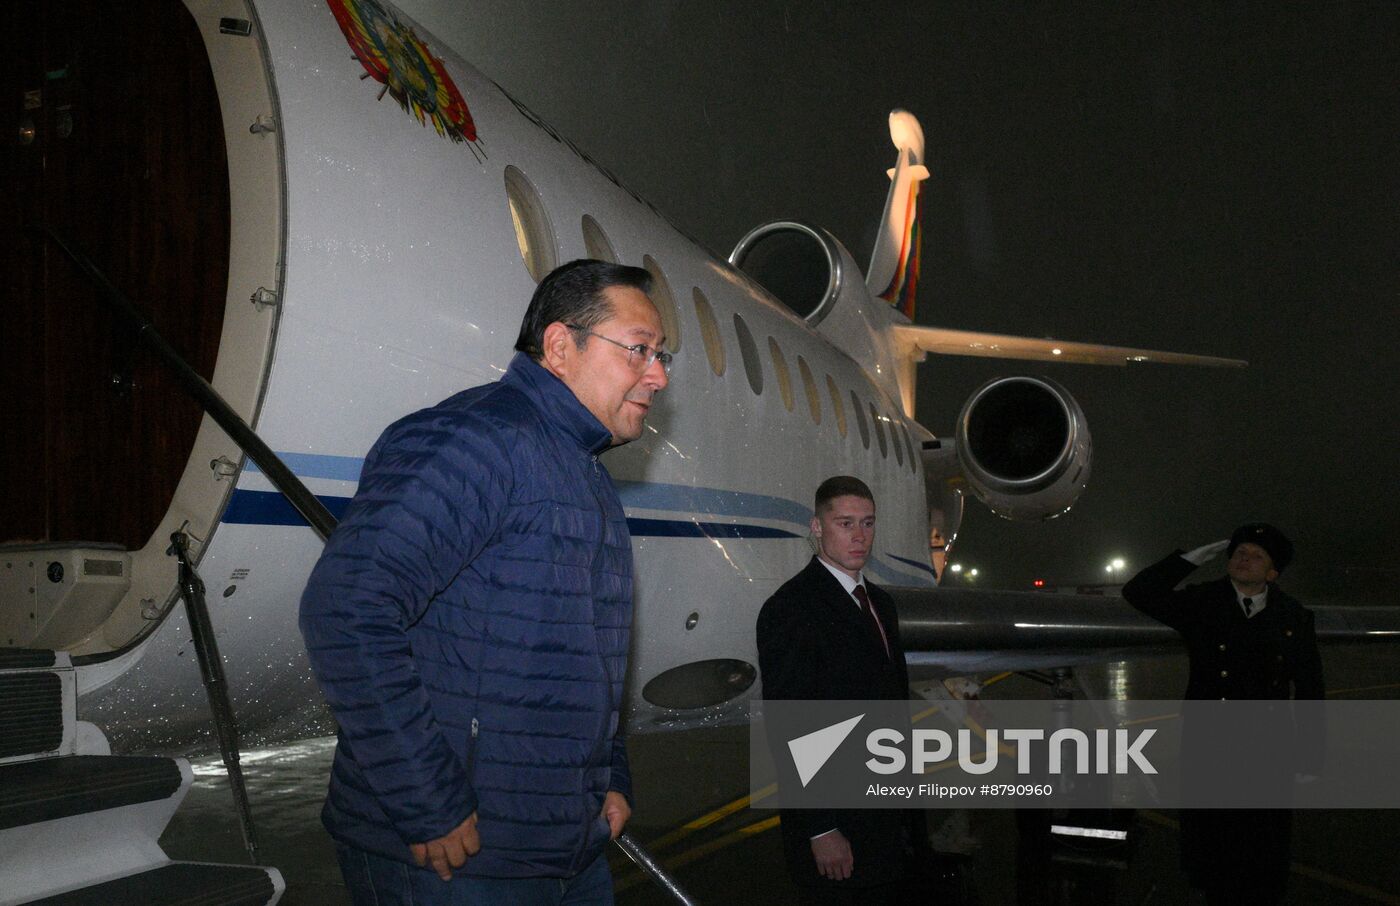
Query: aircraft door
{"x": 113, "y": 137}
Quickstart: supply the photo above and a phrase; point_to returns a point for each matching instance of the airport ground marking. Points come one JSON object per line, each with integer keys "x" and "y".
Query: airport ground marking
{"x": 925, "y": 714}
{"x": 705, "y": 820}
{"x": 1174, "y": 715}
{"x": 674, "y": 863}
{"x": 1363, "y": 689}
{"x": 1356, "y": 888}
{"x": 724, "y": 811}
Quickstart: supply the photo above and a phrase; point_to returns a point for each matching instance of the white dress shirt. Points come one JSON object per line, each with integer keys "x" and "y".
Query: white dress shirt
{"x": 1257, "y": 602}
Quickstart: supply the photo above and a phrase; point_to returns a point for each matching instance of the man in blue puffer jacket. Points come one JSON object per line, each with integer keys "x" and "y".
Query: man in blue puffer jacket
{"x": 469, "y": 620}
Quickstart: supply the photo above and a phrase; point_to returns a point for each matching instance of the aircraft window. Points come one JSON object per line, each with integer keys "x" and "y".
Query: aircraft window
{"x": 595, "y": 241}
{"x": 665, "y": 303}
{"x": 533, "y": 234}
{"x": 748, "y": 351}
{"x": 879, "y": 431}
{"x": 837, "y": 405}
{"x": 784, "y": 377}
{"x": 913, "y": 453}
{"x": 814, "y": 400}
{"x": 860, "y": 421}
{"x": 709, "y": 332}
{"x": 896, "y": 443}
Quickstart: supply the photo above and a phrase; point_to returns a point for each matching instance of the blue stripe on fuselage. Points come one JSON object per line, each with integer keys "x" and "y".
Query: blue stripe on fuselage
{"x": 271, "y": 508}
{"x": 248, "y": 507}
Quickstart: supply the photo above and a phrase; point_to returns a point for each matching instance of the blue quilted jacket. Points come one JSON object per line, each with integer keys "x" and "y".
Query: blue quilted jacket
{"x": 469, "y": 623}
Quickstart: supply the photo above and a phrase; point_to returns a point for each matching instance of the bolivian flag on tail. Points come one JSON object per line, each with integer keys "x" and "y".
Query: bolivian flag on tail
{"x": 893, "y": 274}
{"x": 905, "y": 283}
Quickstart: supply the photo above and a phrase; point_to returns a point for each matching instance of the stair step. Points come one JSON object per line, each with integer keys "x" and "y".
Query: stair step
{"x": 177, "y": 884}
{"x": 26, "y": 658}
{"x": 31, "y": 712}
{"x": 34, "y": 791}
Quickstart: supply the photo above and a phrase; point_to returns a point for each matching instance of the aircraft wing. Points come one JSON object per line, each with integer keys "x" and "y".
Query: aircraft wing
{"x": 962, "y": 631}
{"x": 944, "y": 341}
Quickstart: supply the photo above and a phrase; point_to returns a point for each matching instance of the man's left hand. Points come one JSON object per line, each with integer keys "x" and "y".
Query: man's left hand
{"x": 616, "y": 811}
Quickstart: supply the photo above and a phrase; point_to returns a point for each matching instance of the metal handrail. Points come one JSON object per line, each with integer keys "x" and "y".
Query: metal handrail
{"x": 211, "y": 669}
{"x": 310, "y": 508}
{"x": 282, "y": 478}
{"x": 652, "y": 869}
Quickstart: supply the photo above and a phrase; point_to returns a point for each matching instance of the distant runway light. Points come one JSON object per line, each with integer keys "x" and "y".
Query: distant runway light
{"x": 956, "y": 567}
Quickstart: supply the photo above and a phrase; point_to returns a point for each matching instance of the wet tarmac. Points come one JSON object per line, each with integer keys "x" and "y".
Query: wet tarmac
{"x": 693, "y": 813}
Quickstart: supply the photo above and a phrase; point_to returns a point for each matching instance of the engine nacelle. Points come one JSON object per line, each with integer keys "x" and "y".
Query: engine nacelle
{"x": 1023, "y": 445}
{"x": 809, "y": 272}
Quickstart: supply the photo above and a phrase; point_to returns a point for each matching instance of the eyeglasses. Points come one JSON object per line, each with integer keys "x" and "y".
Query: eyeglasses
{"x": 639, "y": 353}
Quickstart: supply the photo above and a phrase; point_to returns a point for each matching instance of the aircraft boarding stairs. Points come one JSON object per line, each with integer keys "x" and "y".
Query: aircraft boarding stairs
{"x": 80, "y": 826}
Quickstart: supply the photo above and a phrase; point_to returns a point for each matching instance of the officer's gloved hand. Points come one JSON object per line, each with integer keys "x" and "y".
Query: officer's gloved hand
{"x": 1206, "y": 552}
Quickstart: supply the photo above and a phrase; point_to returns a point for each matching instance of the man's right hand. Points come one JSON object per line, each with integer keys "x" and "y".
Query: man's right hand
{"x": 450, "y": 850}
{"x": 1206, "y": 552}
{"x": 833, "y": 855}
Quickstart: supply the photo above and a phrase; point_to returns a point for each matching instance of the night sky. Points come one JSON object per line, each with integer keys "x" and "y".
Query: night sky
{"x": 1223, "y": 181}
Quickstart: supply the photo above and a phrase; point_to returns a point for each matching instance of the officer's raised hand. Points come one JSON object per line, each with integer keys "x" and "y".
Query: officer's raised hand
{"x": 1206, "y": 552}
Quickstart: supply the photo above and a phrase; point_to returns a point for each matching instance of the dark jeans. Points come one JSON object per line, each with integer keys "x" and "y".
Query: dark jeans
{"x": 376, "y": 881}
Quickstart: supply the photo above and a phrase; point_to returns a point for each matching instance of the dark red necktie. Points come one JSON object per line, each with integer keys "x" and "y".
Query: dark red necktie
{"x": 864, "y": 600}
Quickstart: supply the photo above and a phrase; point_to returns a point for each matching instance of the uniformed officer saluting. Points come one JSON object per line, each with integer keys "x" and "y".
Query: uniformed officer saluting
{"x": 1247, "y": 639}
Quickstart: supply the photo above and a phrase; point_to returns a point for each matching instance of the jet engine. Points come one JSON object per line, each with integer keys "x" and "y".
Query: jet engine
{"x": 803, "y": 267}
{"x": 1023, "y": 446}
{"x": 808, "y": 271}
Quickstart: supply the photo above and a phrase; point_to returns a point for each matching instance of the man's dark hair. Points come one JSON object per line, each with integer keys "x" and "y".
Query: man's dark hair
{"x": 573, "y": 294}
{"x": 841, "y": 486}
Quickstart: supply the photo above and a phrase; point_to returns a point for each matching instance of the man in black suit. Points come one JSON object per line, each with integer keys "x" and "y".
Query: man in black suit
{"x": 1247, "y": 640}
{"x": 831, "y": 634}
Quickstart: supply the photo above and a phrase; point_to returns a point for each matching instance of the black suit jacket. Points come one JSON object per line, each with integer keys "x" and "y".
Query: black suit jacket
{"x": 814, "y": 643}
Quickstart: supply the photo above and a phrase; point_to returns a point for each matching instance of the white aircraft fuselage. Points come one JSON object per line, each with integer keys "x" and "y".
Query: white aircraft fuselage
{"x": 390, "y": 210}
{"x": 397, "y": 278}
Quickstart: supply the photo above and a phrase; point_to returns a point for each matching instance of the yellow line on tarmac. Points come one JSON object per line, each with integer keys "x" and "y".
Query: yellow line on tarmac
{"x": 704, "y": 821}
{"x": 1159, "y": 819}
{"x": 1151, "y": 720}
{"x": 699, "y": 852}
{"x": 1356, "y": 888}
{"x": 724, "y": 811}
{"x": 1363, "y": 689}
{"x": 927, "y": 712}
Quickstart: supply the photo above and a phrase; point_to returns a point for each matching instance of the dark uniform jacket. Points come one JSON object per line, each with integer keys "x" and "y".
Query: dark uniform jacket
{"x": 1272, "y": 655}
{"x": 815, "y": 644}
{"x": 1240, "y": 855}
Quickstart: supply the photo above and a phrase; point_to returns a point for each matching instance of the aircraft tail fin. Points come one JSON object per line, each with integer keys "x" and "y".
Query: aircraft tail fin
{"x": 917, "y": 340}
{"x": 893, "y": 274}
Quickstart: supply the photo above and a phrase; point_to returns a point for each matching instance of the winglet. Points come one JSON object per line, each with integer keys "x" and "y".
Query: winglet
{"x": 893, "y": 274}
